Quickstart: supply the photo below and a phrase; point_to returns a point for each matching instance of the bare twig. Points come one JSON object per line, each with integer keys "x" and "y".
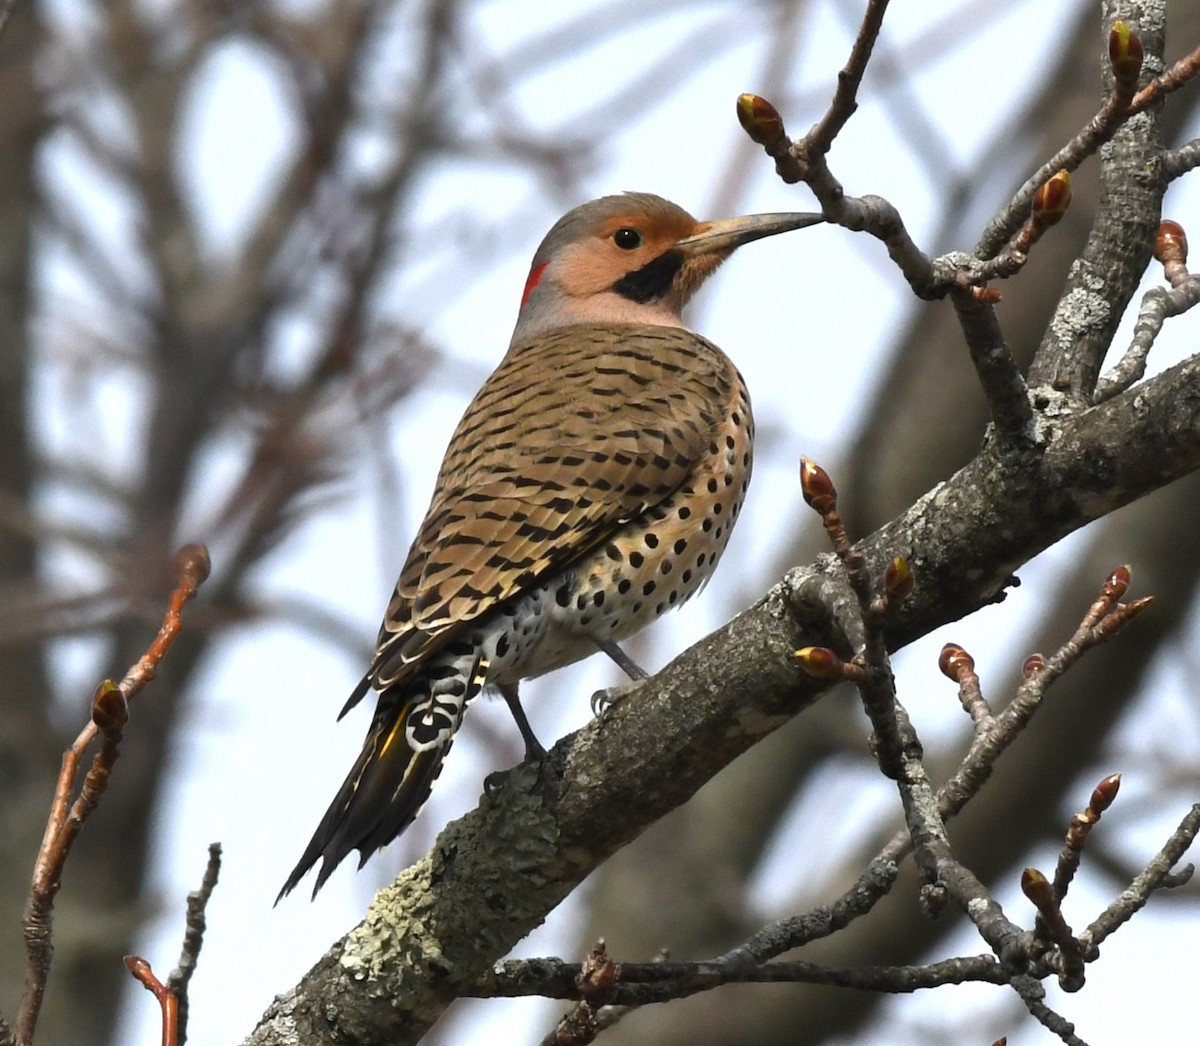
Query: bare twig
{"x": 639, "y": 984}
{"x": 956, "y": 664}
{"x": 1125, "y": 53}
{"x": 1170, "y": 248}
{"x": 634, "y": 984}
{"x": 1100, "y": 129}
{"x": 1177, "y": 162}
{"x": 1158, "y": 874}
{"x": 1158, "y": 305}
{"x": 1081, "y": 826}
{"x": 166, "y": 997}
{"x": 1174, "y": 78}
{"x": 845, "y": 98}
{"x": 998, "y": 373}
{"x": 993, "y": 736}
{"x": 193, "y": 937}
{"x": 109, "y": 715}
{"x": 1033, "y": 994}
{"x": 1052, "y": 927}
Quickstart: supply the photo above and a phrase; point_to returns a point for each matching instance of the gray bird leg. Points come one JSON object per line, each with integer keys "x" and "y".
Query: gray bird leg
{"x": 624, "y": 662}
{"x": 533, "y": 747}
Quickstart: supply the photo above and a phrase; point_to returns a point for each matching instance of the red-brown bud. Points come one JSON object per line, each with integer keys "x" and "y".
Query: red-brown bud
{"x": 110, "y": 711}
{"x": 1052, "y": 198}
{"x": 954, "y": 659}
{"x": 1125, "y": 54}
{"x": 898, "y": 579}
{"x": 1116, "y": 583}
{"x": 819, "y": 662}
{"x": 597, "y": 975}
{"x": 192, "y": 562}
{"x": 1170, "y": 245}
{"x": 1106, "y": 791}
{"x": 140, "y": 968}
{"x": 759, "y": 119}
{"x": 817, "y": 487}
{"x": 1034, "y": 663}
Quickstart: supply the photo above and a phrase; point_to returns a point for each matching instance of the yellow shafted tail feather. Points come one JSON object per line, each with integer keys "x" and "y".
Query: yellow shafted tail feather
{"x": 391, "y": 778}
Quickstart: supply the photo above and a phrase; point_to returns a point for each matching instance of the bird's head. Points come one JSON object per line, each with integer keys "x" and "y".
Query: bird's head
{"x": 635, "y": 258}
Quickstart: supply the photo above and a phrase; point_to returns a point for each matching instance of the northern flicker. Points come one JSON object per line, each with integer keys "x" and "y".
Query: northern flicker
{"x": 591, "y": 486}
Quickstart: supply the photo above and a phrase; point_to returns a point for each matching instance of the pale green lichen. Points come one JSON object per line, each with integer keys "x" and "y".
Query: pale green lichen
{"x": 427, "y": 929}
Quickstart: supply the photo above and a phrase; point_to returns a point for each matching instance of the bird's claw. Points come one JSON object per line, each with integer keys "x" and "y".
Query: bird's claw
{"x": 603, "y": 700}
{"x": 493, "y": 783}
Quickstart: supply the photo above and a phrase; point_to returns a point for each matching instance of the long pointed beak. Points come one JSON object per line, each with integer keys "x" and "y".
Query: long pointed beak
{"x": 728, "y": 233}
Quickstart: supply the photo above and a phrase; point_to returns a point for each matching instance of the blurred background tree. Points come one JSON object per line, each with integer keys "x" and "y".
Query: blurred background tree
{"x": 254, "y": 257}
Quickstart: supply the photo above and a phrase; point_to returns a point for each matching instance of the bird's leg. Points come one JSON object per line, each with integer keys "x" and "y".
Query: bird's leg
{"x": 533, "y": 747}
{"x": 609, "y": 696}
{"x": 624, "y": 662}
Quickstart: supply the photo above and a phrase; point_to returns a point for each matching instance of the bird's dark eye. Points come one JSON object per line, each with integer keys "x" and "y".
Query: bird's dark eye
{"x": 627, "y": 239}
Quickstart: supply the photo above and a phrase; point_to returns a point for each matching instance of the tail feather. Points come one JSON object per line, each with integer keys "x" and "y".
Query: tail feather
{"x": 380, "y": 797}
{"x": 411, "y": 732}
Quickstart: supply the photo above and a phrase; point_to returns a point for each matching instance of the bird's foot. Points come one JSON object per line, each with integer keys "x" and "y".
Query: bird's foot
{"x": 603, "y": 700}
{"x": 534, "y": 753}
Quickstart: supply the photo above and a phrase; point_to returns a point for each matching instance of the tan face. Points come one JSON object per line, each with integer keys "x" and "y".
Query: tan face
{"x": 633, "y": 256}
